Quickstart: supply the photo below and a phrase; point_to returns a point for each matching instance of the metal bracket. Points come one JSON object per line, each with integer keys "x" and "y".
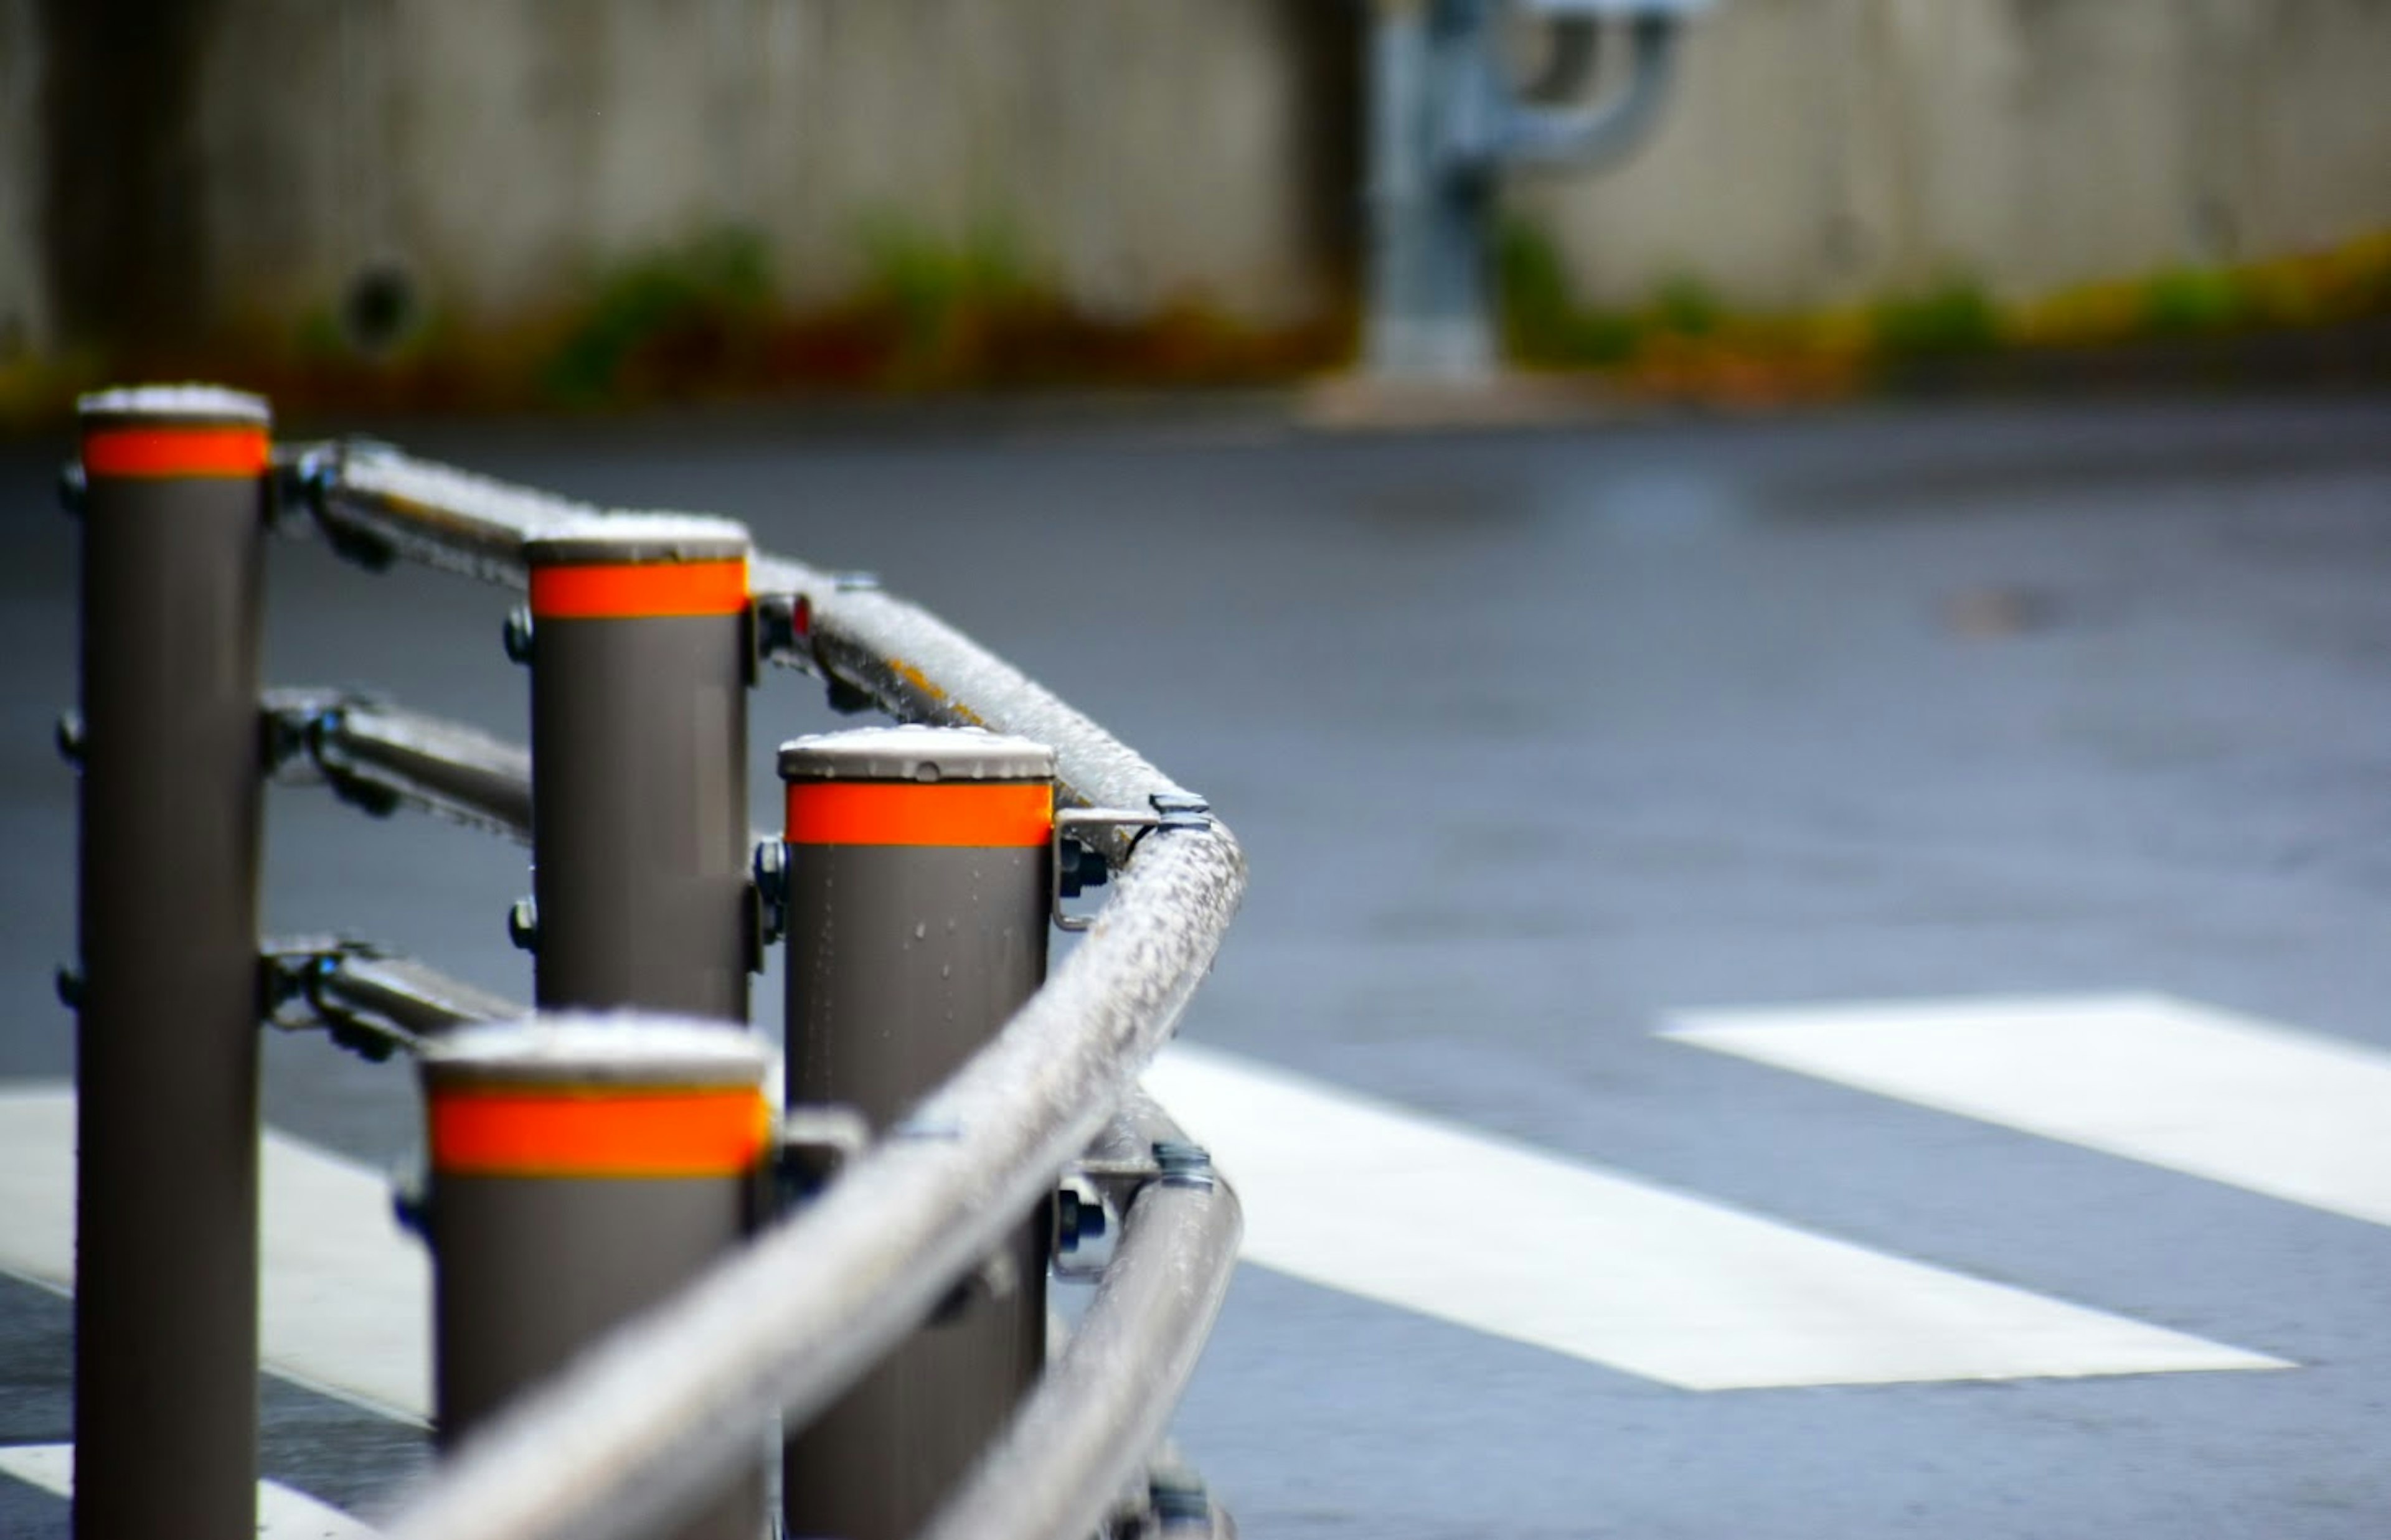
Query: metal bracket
{"x": 767, "y": 900}
{"x": 292, "y": 970}
{"x": 1093, "y": 1192}
{"x": 294, "y": 726}
{"x": 1077, "y": 865}
{"x": 816, "y": 1144}
{"x": 783, "y": 625}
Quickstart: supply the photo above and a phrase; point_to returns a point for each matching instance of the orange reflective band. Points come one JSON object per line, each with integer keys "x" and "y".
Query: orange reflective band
{"x": 640, "y": 590}
{"x": 517, "y": 1131}
{"x": 957, "y": 813}
{"x": 162, "y": 452}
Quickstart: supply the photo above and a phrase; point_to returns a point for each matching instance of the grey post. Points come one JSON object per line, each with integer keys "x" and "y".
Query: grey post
{"x": 639, "y": 661}
{"x": 917, "y": 922}
{"x": 1445, "y": 121}
{"x": 582, "y": 1168}
{"x": 166, "y": 1044}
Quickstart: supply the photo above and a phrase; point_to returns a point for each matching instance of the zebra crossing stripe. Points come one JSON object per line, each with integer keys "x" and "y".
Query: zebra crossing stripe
{"x": 2226, "y": 1098}
{"x": 1338, "y": 1190}
{"x": 282, "y": 1513}
{"x": 344, "y": 1293}
{"x": 1358, "y": 1196}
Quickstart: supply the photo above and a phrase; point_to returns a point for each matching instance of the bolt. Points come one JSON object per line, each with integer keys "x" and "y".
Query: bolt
{"x": 69, "y": 983}
{"x": 1083, "y": 867}
{"x": 74, "y": 488}
{"x": 68, "y": 737}
{"x": 768, "y": 900}
{"x": 518, "y": 634}
{"x": 769, "y": 869}
{"x": 409, "y": 1203}
{"x": 1182, "y": 1164}
{"x": 1179, "y": 1499}
{"x": 522, "y": 925}
{"x": 1075, "y": 1220}
{"x": 772, "y": 868}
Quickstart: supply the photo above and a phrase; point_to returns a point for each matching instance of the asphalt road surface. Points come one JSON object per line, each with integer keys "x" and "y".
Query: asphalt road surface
{"x": 1568, "y": 763}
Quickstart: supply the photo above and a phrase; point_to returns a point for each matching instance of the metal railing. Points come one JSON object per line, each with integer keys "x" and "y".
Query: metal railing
{"x": 645, "y": 1425}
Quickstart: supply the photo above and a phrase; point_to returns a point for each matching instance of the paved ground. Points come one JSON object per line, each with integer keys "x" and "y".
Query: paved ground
{"x": 1535, "y": 739}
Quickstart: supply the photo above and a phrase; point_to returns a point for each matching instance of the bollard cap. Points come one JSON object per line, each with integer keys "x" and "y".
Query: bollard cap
{"x": 638, "y": 566}
{"x": 626, "y": 1050}
{"x": 923, "y": 755}
{"x": 193, "y": 405}
{"x": 637, "y": 539}
{"x": 626, "y": 1098}
{"x": 175, "y": 432}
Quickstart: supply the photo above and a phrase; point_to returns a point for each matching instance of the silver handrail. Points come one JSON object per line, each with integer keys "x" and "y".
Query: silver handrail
{"x": 648, "y": 1422}
{"x": 1102, "y": 1407}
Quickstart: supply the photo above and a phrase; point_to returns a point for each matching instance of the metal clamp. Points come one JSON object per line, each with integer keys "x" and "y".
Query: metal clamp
{"x": 1094, "y": 1192}
{"x": 816, "y": 1143}
{"x": 291, "y": 972}
{"x": 783, "y": 629}
{"x": 767, "y": 900}
{"x": 1078, "y": 866}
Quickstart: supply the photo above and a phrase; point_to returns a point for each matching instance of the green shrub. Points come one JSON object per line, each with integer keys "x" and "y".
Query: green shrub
{"x": 1955, "y": 317}
{"x": 694, "y": 301}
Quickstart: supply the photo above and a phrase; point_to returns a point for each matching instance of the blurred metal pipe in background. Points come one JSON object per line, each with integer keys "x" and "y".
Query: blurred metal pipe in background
{"x": 1445, "y": 121}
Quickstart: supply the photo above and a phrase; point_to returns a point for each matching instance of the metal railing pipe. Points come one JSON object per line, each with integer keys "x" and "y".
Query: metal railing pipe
{"x": 625, "y": 1438}
{"x": 639, "y": 1427}
{"x": 376, "y": 505}
{"x": 918, "y": 668}
{"x": 419, "y": 1000}
{"x": 380, "y": 755}
{"x": 1103, "y": 1406}
{"x": 1587, "y": 136}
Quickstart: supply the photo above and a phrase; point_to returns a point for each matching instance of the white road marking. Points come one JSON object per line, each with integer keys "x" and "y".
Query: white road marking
{"x": 346, "y": 1303}
{"x": 282, "y": 1514}
{"x": 1402, "y": 1209}
{"x": 2196, "y": 1090}
{"x": 1338, "y": 1191}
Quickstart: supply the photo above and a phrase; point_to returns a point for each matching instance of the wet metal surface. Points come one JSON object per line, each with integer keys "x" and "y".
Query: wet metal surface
{"x": 1533, "y": 740}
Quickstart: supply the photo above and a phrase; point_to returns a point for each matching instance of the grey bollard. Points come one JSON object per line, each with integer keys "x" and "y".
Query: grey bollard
{"x": 582, "y": 1168}
{"x": 917, "y": 922}
{"x": 166, "y": 1042}
{"x": 640, "y": 662}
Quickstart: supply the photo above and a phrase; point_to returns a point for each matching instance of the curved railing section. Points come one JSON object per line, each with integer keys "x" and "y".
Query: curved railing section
{"x": 646, "y": 1424}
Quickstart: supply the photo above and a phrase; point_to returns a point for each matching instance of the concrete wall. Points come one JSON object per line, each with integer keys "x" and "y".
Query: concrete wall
{"x": 502, "y": 151}
{"x": 1823, "y": 151}
{"x": 1138, "y": 150}
{"x": 1132, "y": 151}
